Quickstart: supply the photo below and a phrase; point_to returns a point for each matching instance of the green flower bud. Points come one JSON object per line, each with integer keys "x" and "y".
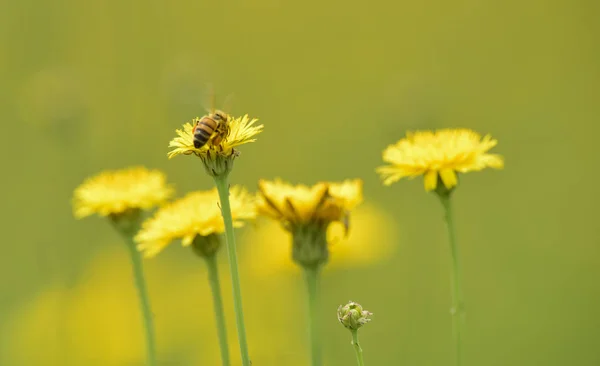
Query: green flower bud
{"x": 219, "y": 164}
{"x": 352, "y": 315}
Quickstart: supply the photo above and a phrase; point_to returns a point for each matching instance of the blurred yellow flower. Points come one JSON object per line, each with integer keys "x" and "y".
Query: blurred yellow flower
{"x": 324, "y": 202}
{"x": 438, "y": 155}
{"x": 195, "y": 214}
{"x": 242, "y": 130}
{"x": 96, "y": 322}
{"x": 115, "y": 192}
{"x": 373, "y": 238}
{"x": 72, "y": 324}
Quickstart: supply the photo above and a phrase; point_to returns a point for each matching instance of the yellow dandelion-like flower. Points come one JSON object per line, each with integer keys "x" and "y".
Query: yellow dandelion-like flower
{"x": 195, "y": 214}
{"x": 115, "y": 192}
{"x": 438, "y": 155}
{"x": 300, "y": 204}
{"x": 242, "y": 130}
{"x": 307, "y": 212}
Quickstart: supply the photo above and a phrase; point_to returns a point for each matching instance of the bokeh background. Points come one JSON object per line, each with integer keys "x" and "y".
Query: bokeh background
{"x": 88, "y": 86}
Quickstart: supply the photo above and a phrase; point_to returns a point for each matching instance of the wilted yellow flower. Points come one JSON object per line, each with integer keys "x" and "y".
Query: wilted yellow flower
{"x": 296, "y": 205}
{"x": 242, "y": 130}
{"x": 195, "y": 214}
{"x": 307, "y": 212}
{"x": 373, "y": 238}
{"x": 438, "y": 155}
{"x": 115, "y": 192}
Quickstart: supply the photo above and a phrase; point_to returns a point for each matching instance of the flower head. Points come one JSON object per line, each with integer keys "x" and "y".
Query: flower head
{"x": 242, "y": 130}
{"x": 296, "y": 205}
{"x": 306, "y": 212}
{"x": 117, "y": 192}
{"x": 218, "y": 152}
{"x": 353, "y": 316}
{"x": 438, "y": 155}
{"x": 196, "y": 214}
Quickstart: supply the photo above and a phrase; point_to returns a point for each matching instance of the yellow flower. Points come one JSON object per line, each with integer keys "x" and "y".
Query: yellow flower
{"x": 307, "y": 212}
{"x": 115, "y": 192}
{"x": 67, "y": 325}
{"x": 442, "y": 154}
{"x": 242, "y": 130}
{"x": 195, "y": 214}
{"x": 373, "y": 238}
{"x": 296, "y": 205}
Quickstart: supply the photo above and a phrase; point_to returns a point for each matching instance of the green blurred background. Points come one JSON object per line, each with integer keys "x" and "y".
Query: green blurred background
{"x": 88, "y": 86}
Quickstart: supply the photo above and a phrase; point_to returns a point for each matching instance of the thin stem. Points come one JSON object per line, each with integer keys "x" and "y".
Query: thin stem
{"x": 140, "y": 284}
{"x": 215, "y": 286}
{"x": 223, "y": 188}
{"x": 312, "y": 285}
{"x": 357, "y": 349}
{"x": 458, "y": 307}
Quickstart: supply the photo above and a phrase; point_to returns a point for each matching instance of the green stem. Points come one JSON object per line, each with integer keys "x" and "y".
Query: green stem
{"x": 223, "y": 188}
{"x": 357, "y": 349}
{"x": 312, "y": 285}
{"x": 458, "y": 307}
{"x": 140, "y": 284}
{"x": 213, "y": 279}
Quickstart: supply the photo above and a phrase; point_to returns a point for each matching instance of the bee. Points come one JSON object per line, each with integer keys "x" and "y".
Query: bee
{"x": 213, "y": 127}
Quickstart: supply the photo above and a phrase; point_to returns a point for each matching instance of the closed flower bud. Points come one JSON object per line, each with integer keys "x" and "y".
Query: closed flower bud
{"x": 353, "y": 316}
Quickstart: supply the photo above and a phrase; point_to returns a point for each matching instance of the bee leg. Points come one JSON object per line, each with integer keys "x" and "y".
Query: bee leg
{"x": 216, "y": 140}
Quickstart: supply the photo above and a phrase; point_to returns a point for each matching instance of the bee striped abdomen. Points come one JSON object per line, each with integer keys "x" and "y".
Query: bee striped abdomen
{"x": 203, "y": 130}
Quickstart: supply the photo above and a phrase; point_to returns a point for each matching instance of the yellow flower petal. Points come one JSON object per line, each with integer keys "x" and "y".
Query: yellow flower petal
{"x": 431, "y": 180}
{"x": 301, "y": 204}
{"x": 493, "y": 160}
{"x": 448, "y": 178}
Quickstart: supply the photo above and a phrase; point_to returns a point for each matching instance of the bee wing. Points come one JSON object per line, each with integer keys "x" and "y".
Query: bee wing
{"x": 228, "y": 103}
{"x": 212, "y": 99}
{"x": 209, "y": 99}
